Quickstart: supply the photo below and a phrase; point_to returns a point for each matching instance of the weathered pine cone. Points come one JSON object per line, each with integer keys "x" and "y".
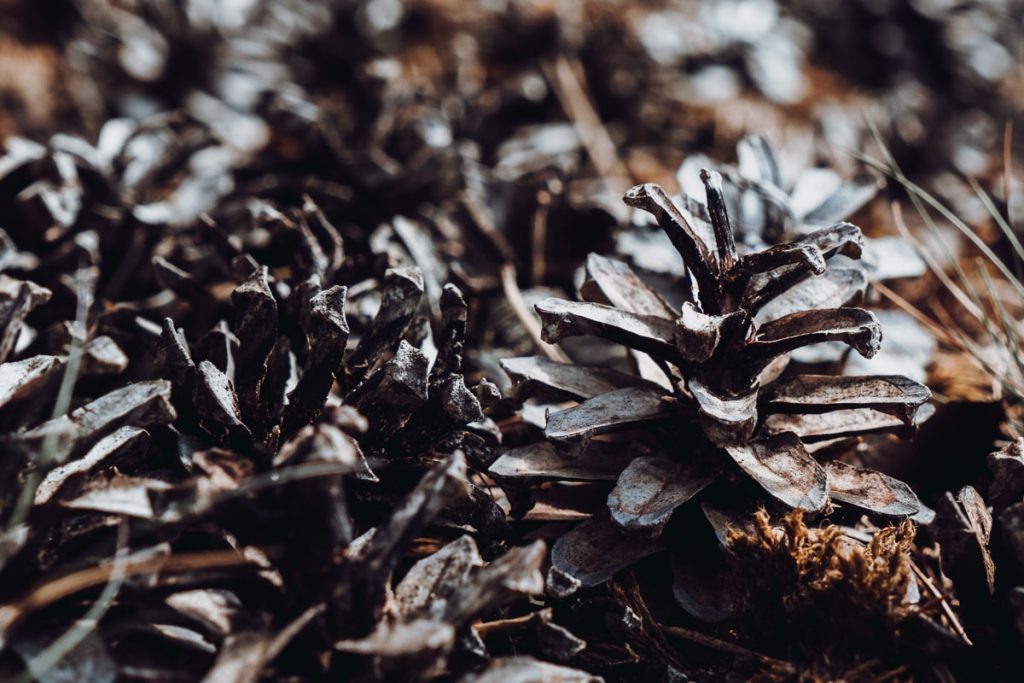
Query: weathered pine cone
{"x": 183, "y": 458}
{"x": 233, "y": 443}
{"x": 711, "y": 389}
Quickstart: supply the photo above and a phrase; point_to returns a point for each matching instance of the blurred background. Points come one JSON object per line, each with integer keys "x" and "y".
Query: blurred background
{"x": 509, "y": 129}
{"x": 664, "y": 78}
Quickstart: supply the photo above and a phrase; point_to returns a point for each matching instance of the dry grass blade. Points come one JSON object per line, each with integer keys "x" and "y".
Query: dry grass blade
{"x": 919, "y": 194}
{"x": 58, "y": 589}
{"x": 993, "y": 211}
{"x": 1005, "y": 338}
{"x": 38, "y": 666}
{"x": 904, "y": 305}
{"x": 933, "y": 265}
{"x": 45, "y": 459}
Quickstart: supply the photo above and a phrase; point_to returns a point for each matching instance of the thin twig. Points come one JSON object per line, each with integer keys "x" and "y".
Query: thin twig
{"x": 650, "y": 635}
{"x": 946, "y": 608}
{"x": 526, "y": 319}
{"x": 725, "y": 646}
{"x": 993, "y": 211}
{"x": 570, "y": 89}
{"x": 481, "y": 219}
{"x": 942, "y": 673}
{"x": 58, "y": 589}
{"x": 974, "y": 353}
{"x": 484, "y": 628}
{"x": 1018, "y": 265}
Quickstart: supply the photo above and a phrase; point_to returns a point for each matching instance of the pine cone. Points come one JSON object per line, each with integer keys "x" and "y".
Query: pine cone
{"x": 722, "y": 403}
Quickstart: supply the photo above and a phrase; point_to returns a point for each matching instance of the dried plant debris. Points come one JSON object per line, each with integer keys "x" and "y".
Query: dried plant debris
{"x": 821, "y": 598}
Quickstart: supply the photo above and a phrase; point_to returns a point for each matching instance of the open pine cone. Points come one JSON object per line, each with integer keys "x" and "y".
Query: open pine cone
{"x": 711, "y": 392}
{"x": 247, "y": 388}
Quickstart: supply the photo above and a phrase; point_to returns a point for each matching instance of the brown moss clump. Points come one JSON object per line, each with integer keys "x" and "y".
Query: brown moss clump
{"x": 819, "y": 598}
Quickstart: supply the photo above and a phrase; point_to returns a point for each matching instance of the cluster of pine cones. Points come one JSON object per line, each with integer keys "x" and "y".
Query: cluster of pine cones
{"x": 290, "y": 388}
